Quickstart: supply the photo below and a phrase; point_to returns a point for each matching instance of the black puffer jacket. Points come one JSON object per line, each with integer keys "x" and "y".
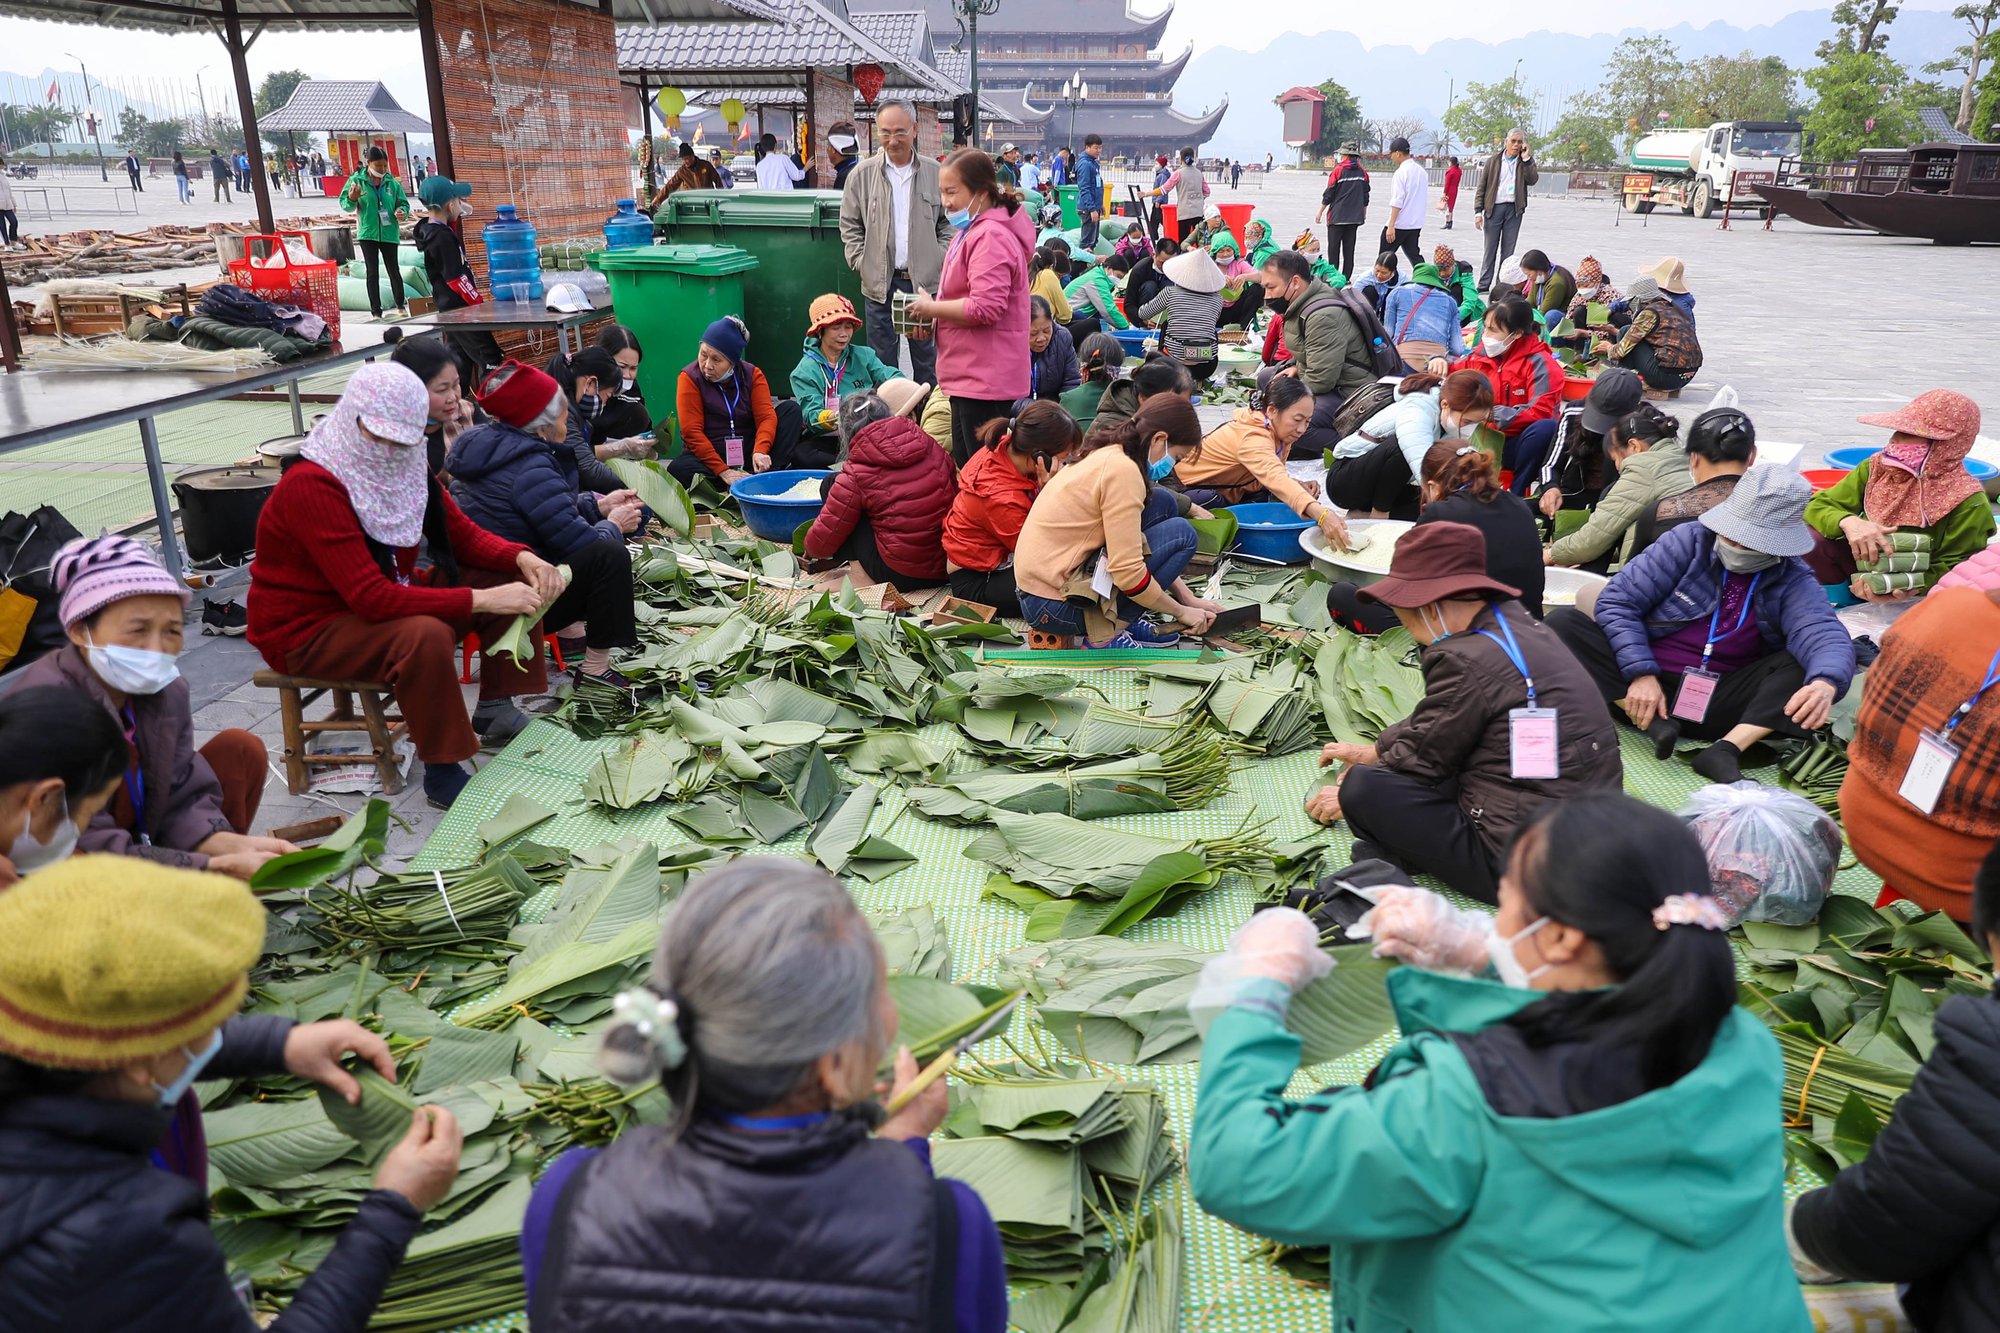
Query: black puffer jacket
{"x": 1924, "y": 1208}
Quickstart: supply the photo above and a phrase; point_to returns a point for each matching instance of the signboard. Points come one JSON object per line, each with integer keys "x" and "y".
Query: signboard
{"x": 1302, "y": 122}
{"x": 1638, "y": 184}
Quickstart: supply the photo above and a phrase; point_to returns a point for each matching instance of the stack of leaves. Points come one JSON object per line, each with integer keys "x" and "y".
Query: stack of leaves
{"x": 1189, "y": 770}
{"x": 1366, "y": 683}
{"x": 1904, "y": 567}
{"x": 1011, "y": 713}
{"x": 1264, "y": 709}
{"x": 1055, "y": 1151}
{"x": 1126, "y": 1002}
{"x": 1851, "y": 1000}
{"x": 796, "y": 788}
{"x": 914, "y": 942}
{"x": 1816, "y": 773}
{"x": 466, "y": 913}
{"x": 1077, "y": 879}
{"x": 843, "y": 844}
{"x": 360, "y": 839}
{"x": 694, "y": 751}
{"x": 1132, "y": 1287}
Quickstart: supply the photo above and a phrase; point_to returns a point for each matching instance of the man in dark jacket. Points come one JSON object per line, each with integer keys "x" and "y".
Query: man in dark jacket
{"x": 1923, "y": 1209}
{"x": 1343, "y": 206}
{"x": 1329, "y": 350}
{"x": 516, "y": 476}
{"x": 1719, "y": 629}
{"x": 1507, "y": 723}
{"x": 1501, "y": 200}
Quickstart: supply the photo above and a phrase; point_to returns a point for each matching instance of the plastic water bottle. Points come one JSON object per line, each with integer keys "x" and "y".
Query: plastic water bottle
{"x": 628, "y": 227}
{"x": 513, "y": 264}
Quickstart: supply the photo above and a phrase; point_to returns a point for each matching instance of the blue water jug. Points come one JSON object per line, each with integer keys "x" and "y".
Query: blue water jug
{"x": 513, "y": 265}
{"x": 628, "y": 227}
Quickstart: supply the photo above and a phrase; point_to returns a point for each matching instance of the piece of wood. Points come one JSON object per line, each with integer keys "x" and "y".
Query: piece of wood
{"x": 310, "y": 830}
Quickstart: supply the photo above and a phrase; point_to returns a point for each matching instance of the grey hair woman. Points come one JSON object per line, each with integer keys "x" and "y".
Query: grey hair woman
{"x": 766, "y": 1019}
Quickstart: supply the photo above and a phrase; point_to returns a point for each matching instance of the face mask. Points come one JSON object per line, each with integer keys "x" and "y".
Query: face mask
{"x": 1500, "y": 949}
{"x": 1495, "y": 346}
{"x": 1279, "y": 303}
{"x": 1739, "y": 560}
{"x": 625, "y": 385}
{"x": 588, "y": 405}
{"x": 171, "y": 1093}
{"x": 31, "y": 853}
{"x": 960, "y": 219}
{"x": 1440, "y": 632}
{"x": 1160, "y": 467}
{"x": 133, "y": 670}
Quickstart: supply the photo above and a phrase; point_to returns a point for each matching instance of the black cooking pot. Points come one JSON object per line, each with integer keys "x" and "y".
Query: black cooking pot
{"x": 219, "y": 508}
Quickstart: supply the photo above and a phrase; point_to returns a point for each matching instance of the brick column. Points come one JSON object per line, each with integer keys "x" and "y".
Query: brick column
{"x": 930, "y": 131}
{"x": 828, "y": 103}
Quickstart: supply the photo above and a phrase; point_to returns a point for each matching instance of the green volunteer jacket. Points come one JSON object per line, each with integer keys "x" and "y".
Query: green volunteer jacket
{"x": 376, "y": 200}
{"x": 1095, "y": 293}
{"x": 810, "y": 377}
{"x": 1958, "y": 536}
{"x": 1662, "y": 1214}
{"x": 1654, "y": 474}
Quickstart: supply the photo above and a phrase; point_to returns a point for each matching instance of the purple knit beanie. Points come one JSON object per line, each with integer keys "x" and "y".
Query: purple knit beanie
{"x": 93, "y": 572}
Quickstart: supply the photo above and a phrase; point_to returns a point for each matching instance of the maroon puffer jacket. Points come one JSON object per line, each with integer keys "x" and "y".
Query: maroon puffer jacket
{"x": 898, "y": 479}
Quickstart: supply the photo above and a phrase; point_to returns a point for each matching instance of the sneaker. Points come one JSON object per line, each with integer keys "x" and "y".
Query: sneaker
{"x": 443, "y": 783}
{"x": 1148, "y": 635}
{"x": 605, "y": 677}
{"x": 226, "y": 618}
{"x": 396, "y": 312}
{"x": 1116, "y": 641}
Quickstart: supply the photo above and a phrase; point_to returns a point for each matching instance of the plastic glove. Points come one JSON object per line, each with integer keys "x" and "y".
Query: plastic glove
{"x": 1804, "y": 1266}
{"x": 1421, "y": 928}
{"x": 1278, "y": 944}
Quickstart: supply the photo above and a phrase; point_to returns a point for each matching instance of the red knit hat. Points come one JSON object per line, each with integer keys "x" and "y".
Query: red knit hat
{"x": 517, "y": 393}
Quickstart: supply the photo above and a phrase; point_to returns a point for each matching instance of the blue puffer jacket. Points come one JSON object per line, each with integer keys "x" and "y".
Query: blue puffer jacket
{"x": 521, "y": 487}
{"x": 1677, "y": 581}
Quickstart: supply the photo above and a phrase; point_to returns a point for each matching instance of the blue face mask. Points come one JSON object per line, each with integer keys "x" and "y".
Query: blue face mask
{"x": 959, "y": 220}
{"x": 171, "y": 1093}
{"x": 1161, "y": 467}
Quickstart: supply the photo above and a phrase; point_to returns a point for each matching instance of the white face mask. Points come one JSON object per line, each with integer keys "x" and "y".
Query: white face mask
{"x": 30, "y": 853}
{"x": 132, "y": 670}
{"x": 1495, "y": 346}
{"x": 1500, "y": 948}
{"x": 625, "y": 385}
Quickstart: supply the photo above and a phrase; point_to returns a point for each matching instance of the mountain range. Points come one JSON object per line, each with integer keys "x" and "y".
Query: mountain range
{"x": 1398, "y": 81}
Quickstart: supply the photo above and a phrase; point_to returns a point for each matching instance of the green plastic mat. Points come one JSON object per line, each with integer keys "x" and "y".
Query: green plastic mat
{"x": 1226, "y": 1291}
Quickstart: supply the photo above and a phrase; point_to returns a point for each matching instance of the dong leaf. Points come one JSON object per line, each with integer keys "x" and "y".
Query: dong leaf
{"x": 517, "y": 816}
{"x": 365, "y": 834}
{"x": 1344, "y": 1010}
{"x": 658, "y": 491}
{"x": 843, "y": 844}
{"x": 272, "y": 1143}
{"x": 378, "y": 1121}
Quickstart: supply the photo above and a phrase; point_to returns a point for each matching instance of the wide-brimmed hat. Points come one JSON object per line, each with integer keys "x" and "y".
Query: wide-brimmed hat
{"x": 1766, "y": 512}
{"x": 1350, "y": 147}
{"x": 1617, "y": 392}
{"x": 1195, "y": 271}
{"x": 906, "y": 398}
{"x": 1936, "y": 414}
{"x": 832, "y": 308}
{"x": 1512, "y": 272}
{"x": 1671, "y": 274}
{"x": 1434, "y": 561}
{"x": 1646, "y": 287}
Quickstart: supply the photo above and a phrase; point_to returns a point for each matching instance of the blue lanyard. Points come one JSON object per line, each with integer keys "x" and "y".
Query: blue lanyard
{"x": 772, "y": 1123}
{"x": 1512, "y": 649}
{"x": 732, "y": 400}
{"x": 833, "y": 376}
{"x": 1715, "y": 620}
{"x": 135, "y": 780}
{"x": 1992, "y": 679}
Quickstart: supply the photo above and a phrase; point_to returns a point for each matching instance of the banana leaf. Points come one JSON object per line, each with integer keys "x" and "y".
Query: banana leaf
{"x": 517, "y": 643}
{"x": 914, "y": 942}
{"x": 517, "y": 816}
{"x": 932, "y": 1015}
{"x": 1096, "y": 791}
{"x": 883, "y": 752}
{"x": 1160, "y": 887}
{"x": 273, "y": 1143}
{"x": 844, "y": 846}
{"x": 1213, "y": 535}
{"x": 379, "y": 1121}
{"x": 658, "y": 491}
{"x": 364, "y": 835}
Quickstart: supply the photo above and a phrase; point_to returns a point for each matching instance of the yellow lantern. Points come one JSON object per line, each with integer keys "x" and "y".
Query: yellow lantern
{"x": 671, "y": 102}
{"x": 733, "y": 115}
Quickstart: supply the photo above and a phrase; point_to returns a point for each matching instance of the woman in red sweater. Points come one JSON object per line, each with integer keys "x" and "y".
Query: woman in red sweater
{"x": 335, "y": 591}
{"x": 885, "y": 507}
{"x": 1016, "y": 457}
{"x": 730, "y": 426}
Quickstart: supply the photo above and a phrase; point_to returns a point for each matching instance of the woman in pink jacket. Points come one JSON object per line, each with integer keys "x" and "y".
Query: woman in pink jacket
{"x": 981, "y": 306}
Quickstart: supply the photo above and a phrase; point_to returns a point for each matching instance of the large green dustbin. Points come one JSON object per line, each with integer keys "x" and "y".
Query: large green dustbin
{"x": 795, "y": 234}
{"x": 668, "y": 294}
{"x": 1066, "y": 196}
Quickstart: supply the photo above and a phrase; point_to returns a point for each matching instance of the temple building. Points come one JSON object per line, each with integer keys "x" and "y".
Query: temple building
{"x": 1030, "y": 48}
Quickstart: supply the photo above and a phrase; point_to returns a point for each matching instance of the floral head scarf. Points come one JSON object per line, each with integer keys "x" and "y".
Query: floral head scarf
{"x": 386, "y": 482}
{"x": 1920, "y": 477}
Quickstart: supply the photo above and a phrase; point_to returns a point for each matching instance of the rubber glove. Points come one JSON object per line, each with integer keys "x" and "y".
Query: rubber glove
{"x": 1421, "y": 928}
{"x": 1280, "y": 944}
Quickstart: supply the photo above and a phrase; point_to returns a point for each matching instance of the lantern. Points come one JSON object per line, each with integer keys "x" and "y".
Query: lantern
{"x": 671, "y": 102}
{"x": 733, "y": 114}
{"x": 868, "y": 80}
{"x": 1871, "y": 124}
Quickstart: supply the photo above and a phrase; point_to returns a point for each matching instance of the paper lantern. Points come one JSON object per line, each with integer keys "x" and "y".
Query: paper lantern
{"x": 671, "y": 101}
{"x": 868, "y": 80}
{"x": 733, "y": 113}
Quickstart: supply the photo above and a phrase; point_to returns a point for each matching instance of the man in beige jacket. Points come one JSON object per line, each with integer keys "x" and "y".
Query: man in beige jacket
{"x": 893, "y": 226}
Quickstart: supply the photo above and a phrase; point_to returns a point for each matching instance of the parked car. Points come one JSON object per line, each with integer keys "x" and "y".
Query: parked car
{"x": 743, "y": 168}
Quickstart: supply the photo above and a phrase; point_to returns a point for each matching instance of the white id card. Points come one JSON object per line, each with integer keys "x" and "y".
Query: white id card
{"x": 385, "y": 217}
{"x": 1691, "y": 700}
{"x": 732, "y": 452}
{"x": 1929, "y": 767}
{"x": 1531, "y": 743}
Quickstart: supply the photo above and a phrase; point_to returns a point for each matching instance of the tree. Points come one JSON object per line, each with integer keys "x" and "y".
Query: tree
{"x": 1745, "y": 87}
{"x": 1860, "y": 26}
{"x": 42, "y": 124}
{"x": 1986, "y": 109}
{"x": 1402, "y": 127}
{"x": 1481, "y": 117}
{"x": 149, "y": 137}
{"x": 1339, "y": 121}
{"x": 1980, "y": 20}
{"x": 1861, "y": 105}
{"x": 1583, "y": 137}
{"x": 1643, "y": 77}
{"x": 272, "y": 93}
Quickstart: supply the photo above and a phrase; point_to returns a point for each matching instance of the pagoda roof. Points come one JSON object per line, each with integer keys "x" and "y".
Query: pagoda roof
{"x": 1044, "y": 67}
{"x": 1015, "y": 107}
{"x": 1141, "y": 117}
{"x": 1074, "y": 17}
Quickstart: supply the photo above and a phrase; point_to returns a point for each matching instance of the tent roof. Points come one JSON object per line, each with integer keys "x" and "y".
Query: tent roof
{"x": 198, "y": 15}
{"x": 318, "y": 105}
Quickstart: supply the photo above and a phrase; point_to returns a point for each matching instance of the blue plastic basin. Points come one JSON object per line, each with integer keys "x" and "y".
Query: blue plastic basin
{"x": 1850, "y": 458}
{"x": 1269, "y": 532}
{"x": 1982, "y": 471}
{"x": 1133, "y": 340}
{"x": 772, "y": 519}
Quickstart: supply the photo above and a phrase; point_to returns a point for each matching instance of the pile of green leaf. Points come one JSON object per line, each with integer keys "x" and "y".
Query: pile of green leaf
{"x": 1190, "y": 769}
{"x": 1055, "y": 1151}
{"x": 1366, "y": 683}
{"x": 1851, "y": 1001}
{"x": 1264, "y": 709}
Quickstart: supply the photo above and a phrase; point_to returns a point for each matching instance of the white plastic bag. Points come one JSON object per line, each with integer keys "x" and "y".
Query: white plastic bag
{"x": 1771, "y": 854}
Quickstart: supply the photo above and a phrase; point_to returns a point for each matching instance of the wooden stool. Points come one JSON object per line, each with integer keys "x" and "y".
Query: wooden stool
{"x": 384, "y": 728}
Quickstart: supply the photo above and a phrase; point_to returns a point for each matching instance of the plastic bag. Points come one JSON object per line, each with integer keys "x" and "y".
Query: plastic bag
{"x": 1771, "y": 854}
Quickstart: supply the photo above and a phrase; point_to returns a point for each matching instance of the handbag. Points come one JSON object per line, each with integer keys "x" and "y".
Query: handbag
{"x": 29, "y": 625}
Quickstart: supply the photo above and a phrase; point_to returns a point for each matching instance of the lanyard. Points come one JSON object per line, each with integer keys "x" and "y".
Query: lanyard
{"x": 135, "y": 779}
{"x": 833, "y": 376}
{"x": 732, "y": 400}
{"x": 1512, "y": 649}
{"x": 1715, "y": 620}
{"x": 1992, "y": 679}
{"x": 773, "y": 1123}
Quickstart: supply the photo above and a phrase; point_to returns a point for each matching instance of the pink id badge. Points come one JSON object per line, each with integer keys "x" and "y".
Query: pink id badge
{"x": 1697, "y": 688}
{"x": 1929, "y": 767}
{"x": 732, "y": 451}
{"x": 832, "y": 400}
{"x": 1531, "y": 737}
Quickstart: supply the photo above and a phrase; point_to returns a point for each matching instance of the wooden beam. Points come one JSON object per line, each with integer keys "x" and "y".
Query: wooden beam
{"x": 253, "y": 143}
{"x": 434, "y": 90}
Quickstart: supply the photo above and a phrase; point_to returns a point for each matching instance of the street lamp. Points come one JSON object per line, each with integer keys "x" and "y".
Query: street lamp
{"x": 967, "y": 13}
{"x": 1074, "y": 90}
{"x": 91, "y": 119}
{"x": 198, "y": 97}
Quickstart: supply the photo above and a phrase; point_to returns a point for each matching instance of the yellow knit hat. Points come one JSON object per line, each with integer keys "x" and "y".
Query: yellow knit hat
{"x": 111, "y": 959}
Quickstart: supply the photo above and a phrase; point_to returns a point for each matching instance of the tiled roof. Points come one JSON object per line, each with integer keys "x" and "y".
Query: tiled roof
{"x": 811, "y": 35}
{"x": 1300, "y": 95}
{"x": 319, "y": 105}
{"x": 902, "y": 32}
{"x": 198, "y": 15}
{"x": 1940, "y": 129}
{"x": 1080, "y": 17}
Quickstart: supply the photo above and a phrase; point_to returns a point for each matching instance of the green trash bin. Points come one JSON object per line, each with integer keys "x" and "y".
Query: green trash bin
{"x": 795, "y": 234}
{"x": 668, "y": 294}
{"x": 1066, "y": 196}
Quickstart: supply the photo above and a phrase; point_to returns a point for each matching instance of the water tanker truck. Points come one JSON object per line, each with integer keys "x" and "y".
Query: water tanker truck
{"x": 1695, "y": 170}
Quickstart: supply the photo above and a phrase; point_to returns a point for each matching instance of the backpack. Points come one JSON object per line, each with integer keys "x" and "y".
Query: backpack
{"x": 1383, "y": 358}
{"x": 1361, "y": 405}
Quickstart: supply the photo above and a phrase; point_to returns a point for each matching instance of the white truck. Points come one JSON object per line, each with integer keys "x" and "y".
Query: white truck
{"x": 1694, "y": 170}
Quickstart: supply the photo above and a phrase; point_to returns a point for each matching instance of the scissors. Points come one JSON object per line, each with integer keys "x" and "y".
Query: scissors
{"x": 939, "y": 1067}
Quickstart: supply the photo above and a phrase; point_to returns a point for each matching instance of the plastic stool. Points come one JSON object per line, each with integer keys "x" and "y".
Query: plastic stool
{"x": 471, "y": 646}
